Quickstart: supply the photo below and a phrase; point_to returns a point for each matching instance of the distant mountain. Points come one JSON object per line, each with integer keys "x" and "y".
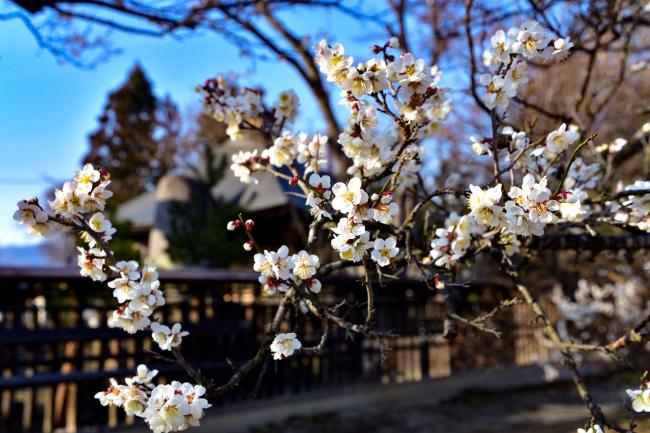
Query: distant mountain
{"x": 26, "y": 255}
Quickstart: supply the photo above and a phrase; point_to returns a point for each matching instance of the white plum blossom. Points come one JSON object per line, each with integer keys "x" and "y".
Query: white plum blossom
{"x": 384, "y": 250}
{"x": 272, "y": 285}
{"x": 453, "y": 240}
{"x": 636, "y": 208}
{"x": 318, "y": 195}
{"x": 245, "y": 165}
{"x": 640, "y": 399}
{"x": 517, "y": 73}
{"x": 128, "y": 269}
{"x": 85, "y": 179}
{"x": 394, "y": 104}
{"x": 135, "y": 398}
{"x": 313, "y": 285}
{"x": 91, "y": 263}
{"x": 284, "y": 150}
{"x": 312, "y": 153}
{"x": 571, "y": 207}
{"x": 583, "y": 175}
{"x": 531, "y": 207}
{"x": 101, "y": 225}
{"x": 130, "y": 319}
{"x": 232, "y": 106}
{"x": 144, "y": 375}
{"x": 500, "y": 49}
{"x": 305, "y": 264}
{"x": 332, "y": 61}
{"x": 355, "y": 249}
{"x": 124, "y": 289}
{"x": 112, "y": 396}
{"x": 557, "y": 141}
{"x": 276, "y": 264}
{"x": 499, "y": 90}
{"x": 384, "y": 209}
{"x": 167, "y": 338}
{"x": 561, "y": 48}
{"x": 481, "y": 146}
{"x": 175, "y": 407}
{"x": 346, "y": 230}
{"x": 346, "y": 197}
{"x": 594, "y": 429}
{"x": 484, "y": 206}
{"x": 357, "y": 81}
{"x": 531, "y": 40}
{"x": 34, "y": 217}
{"x": 284, "y": 345}
{"x": 286, "y": 107}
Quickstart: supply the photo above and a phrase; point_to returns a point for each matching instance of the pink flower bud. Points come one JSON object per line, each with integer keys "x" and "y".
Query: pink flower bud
{"x": 233, "y": 225}
{"x": 293, "y": 181}
{"x": 249, "y": 225}
{"x": 249, "y": 245}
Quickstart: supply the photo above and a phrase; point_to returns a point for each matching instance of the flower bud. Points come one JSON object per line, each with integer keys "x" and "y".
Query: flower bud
{"x": 103, "y": 173}
{"x": 249, "y": 225}
{"x": 233, "y": 225}
{"x": 393, "y": 42}
{"x": 439, "y": 283}
{"x": 248, "y": 246}
{"x": 293, "y": 181}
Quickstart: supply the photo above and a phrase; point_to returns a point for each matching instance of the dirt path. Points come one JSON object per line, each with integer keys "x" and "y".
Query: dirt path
{"x": 532, "y": 410}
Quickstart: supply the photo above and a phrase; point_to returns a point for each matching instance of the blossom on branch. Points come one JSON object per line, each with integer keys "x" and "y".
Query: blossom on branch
{"x": 284, "y": 345}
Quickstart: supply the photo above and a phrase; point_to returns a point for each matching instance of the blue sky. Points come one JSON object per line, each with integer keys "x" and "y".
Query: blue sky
{"x": 47, "y": 109}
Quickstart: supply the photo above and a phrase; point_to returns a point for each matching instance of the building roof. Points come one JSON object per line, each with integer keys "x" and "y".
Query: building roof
{"x": 140, "y": 210}
{"x": 269, "y": 193}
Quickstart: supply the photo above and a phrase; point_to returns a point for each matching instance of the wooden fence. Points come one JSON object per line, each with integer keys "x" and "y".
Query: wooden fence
{"x": 56, "y": 350}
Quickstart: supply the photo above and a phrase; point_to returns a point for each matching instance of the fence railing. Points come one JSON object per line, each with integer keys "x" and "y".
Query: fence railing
{"x": 57, "y": 351}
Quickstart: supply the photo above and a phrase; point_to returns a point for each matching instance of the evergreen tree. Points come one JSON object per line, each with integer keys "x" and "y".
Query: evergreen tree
{"x": 137, "y": 138}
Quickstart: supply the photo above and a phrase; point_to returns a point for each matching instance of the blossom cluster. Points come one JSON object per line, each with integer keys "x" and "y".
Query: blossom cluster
{"x": 279, "y": 270}
{"x": 139, "y": 295}
{"x": 619, "y": 300}
{"x": 416, "y": 98}
{"x": 528, "y": 211}
{"x": 77, "y": 206}
{"x": 286, "y": 150}
{"x": 239, "y": 108}
{"x": 86, "y": 194}
{"x": 509, "y": 53}
{"x": 635, "y": 210}
{"x": 452, "y": 241}
{"x": 351, "y": 239}
{"x": 165, "y": 408}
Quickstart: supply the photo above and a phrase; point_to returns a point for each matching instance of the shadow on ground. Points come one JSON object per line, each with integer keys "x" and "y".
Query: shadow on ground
{"x": 538, "y": 409}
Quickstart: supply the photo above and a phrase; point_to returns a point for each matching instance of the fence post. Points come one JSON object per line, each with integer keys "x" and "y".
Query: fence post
{"x": 424, "y": 356}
